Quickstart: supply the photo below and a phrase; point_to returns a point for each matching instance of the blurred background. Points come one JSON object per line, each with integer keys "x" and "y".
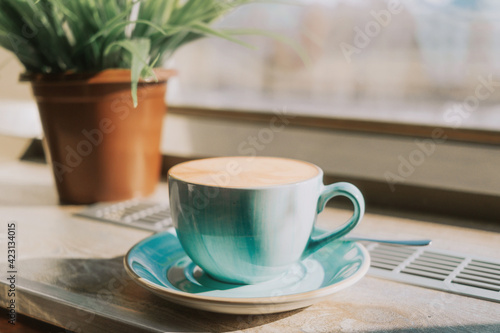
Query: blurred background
{"x": 370, "y": 59}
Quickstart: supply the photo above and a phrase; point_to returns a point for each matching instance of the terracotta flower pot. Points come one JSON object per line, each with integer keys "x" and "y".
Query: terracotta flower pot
{"x": 101, "y": 147}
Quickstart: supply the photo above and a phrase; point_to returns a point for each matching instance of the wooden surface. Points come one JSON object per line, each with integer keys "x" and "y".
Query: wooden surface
{"x": 27, "y": 325}
{"x": 80, "y": 260}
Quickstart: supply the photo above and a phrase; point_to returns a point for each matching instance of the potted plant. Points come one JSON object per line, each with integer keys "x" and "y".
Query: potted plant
{"x": 95, "y": 70}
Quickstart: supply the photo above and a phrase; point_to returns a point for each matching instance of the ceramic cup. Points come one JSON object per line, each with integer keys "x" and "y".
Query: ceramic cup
{"x": 253, "y": 232}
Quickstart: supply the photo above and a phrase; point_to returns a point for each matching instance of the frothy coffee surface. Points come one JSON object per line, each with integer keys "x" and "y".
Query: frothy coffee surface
{"x": 244, "y": 171}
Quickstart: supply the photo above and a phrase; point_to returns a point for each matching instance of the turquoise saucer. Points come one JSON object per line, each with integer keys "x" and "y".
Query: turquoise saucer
{"x": 159, "y": 264}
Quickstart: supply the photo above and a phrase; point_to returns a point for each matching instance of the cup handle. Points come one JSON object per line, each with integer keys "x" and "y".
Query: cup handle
{"x": 328, "y": 192}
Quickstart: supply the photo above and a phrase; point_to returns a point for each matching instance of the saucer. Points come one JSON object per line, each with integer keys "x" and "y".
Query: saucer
{"x": 159, "y": 264}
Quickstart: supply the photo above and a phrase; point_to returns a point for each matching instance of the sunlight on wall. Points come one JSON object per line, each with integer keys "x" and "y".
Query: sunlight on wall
{"x": 10, "y": 87}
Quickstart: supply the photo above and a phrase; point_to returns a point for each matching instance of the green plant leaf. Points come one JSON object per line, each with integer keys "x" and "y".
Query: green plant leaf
{"x": 207, "y": 30}
{"x": 139, "y": 50}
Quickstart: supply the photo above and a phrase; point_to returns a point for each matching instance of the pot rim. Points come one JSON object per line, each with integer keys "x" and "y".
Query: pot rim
{"x": 114, "y": 75}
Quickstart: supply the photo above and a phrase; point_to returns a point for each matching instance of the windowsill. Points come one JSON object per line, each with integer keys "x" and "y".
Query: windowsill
{"x": 350, "y": 153}
{"x": 419, "y": 111}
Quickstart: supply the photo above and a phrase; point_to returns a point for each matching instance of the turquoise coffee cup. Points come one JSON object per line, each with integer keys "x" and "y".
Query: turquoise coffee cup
{"x": 250, "y": 233}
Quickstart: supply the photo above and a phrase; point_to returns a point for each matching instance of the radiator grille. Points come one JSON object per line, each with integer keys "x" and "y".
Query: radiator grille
{"x": 142, "y": 214}
{"x": 437, "y": 269}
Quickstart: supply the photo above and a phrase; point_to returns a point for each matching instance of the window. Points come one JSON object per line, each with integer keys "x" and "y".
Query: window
{"x": 417, "y": 62}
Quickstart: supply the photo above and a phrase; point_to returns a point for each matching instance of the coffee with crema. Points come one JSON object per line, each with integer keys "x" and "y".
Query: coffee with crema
{"x": 244, "y": 172}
